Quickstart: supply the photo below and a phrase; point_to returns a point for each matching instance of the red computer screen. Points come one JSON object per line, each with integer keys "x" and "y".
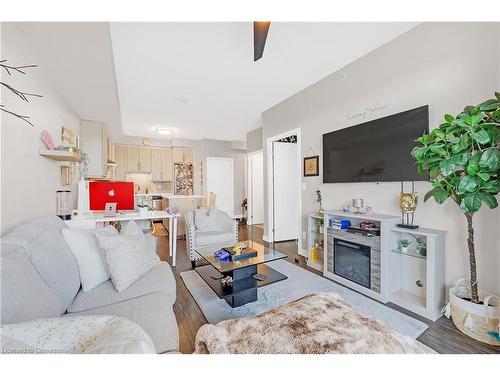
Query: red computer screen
{"x": 121, "y": 193}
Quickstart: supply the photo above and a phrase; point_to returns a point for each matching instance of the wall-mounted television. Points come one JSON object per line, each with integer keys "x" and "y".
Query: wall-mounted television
{"x": 377, "y": 150}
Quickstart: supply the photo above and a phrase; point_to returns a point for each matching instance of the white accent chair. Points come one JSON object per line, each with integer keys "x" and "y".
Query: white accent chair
{"x": 222, "y": 231}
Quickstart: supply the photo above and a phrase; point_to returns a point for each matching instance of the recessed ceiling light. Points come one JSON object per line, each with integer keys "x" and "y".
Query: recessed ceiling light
{"x": 165, "y": 131}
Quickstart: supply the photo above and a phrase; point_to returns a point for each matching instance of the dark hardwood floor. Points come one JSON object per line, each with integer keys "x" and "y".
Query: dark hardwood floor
{"x": 442, "y": 336}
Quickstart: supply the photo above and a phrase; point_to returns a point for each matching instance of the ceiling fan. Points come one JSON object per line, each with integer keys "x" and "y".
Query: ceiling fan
{"x": 260, "y": 30}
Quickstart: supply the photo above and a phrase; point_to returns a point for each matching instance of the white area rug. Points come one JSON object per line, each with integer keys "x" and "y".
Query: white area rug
{"x": 300, "y": 282}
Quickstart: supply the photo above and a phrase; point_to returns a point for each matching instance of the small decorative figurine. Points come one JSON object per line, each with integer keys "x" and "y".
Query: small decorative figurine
{"x": 67, "y": 136}
{"x": 357, "y": 203}
{"x": 369, "y": 210}
{"x": 408, "y": 204}
{"x": 172, "y": 210}
{"x": 319, "y": 199}
{"x": 227, "y": 282}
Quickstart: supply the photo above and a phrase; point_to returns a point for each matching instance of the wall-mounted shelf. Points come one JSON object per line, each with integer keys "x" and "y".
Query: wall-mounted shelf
{"x": 60, "y": 155}
{"x": 410, "y": 253}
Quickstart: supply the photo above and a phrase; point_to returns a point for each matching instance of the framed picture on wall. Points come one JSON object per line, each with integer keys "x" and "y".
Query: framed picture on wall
{"x": 311, "y": 166}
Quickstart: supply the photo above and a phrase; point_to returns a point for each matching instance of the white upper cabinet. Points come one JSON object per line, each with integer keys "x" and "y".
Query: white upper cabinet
{"x": 161, "y": 164}
{"x": 183, "y": 155}
{"x": 94, "y": 142}
{"x": 121, "y": 161}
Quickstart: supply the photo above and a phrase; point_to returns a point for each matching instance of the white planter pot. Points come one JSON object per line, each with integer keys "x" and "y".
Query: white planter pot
{"x": 404, "y": 249}
{"x": 479, "y": 321}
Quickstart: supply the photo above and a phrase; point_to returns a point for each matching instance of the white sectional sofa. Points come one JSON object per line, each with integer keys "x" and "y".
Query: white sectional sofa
{"x": 40, "y": 279}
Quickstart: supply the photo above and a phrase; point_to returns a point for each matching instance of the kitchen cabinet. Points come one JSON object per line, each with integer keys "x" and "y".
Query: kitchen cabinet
{"x": 121, "y": 160}
{"x": 138, "y": 159}
{"x": 133, "y": 161}
{"x": 182, "y": 155}
{"x": 161, "y": 164}
{"x": 94, "y": 142}
{"x": 156, "y": 164}
{"x": 145, "y": 160}
{"x": 168, "y": 165}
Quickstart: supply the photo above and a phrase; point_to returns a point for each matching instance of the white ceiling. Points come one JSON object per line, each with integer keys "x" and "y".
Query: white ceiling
{"x": 197, "y": 78}
{"x": 201, "y": 80}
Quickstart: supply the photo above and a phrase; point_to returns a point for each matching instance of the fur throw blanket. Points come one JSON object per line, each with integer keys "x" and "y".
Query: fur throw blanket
{"x": 314, "y": 324}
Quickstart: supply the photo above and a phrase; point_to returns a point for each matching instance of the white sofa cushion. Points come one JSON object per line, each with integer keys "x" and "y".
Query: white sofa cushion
{"x": 89, "y": 257}
{"x": 25, "y": 296}
{"x": 211, "y": 220}
{"x": 153, "y": 313}
{"x": 128, "y": 255}
{"x": 213, "y": 238}
{"x": 159, "y": 279}
{"x": 46, "y": 249}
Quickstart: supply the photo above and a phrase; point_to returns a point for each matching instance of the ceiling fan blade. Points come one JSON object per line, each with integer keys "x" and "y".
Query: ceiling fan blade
{"x": 260, "y": 30}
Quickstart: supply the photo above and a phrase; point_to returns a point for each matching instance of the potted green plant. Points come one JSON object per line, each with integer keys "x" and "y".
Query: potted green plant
{"x": 462, "y": 158}
{"x": 404, "y": 244}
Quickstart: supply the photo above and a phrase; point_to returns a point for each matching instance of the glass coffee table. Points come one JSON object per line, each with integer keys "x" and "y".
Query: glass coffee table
{"x": 244, "y": 288}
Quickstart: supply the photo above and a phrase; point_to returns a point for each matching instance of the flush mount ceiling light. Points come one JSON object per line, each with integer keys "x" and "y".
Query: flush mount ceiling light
{"x": 164, "y": 131}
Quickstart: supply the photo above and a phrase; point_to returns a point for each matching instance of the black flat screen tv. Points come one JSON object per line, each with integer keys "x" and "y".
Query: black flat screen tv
{"x": 377, "y": 150}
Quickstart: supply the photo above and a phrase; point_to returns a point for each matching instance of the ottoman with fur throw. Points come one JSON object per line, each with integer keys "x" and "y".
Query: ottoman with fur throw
{"x": 314, "y": 324}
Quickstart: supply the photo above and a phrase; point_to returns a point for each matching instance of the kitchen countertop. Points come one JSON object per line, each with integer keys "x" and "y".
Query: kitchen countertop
{"x": 172, "y": 196}
{"x": 124, "y": 216}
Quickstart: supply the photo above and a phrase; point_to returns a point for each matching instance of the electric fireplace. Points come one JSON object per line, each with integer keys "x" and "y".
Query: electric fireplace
{"x": 352, "y": 262}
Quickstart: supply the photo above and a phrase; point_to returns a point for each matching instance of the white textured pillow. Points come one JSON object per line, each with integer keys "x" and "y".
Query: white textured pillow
{"x": 204, "y": 221}
{"x": 88, "y": 255}
{"x": 127, "y": 255}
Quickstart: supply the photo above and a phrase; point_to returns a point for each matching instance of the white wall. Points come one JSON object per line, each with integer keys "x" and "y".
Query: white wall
{"x": 222, "y": 149}
{"x": 29, "y": 181}
{"x": 444, "y": 65}
{"x": 254, "y": 140}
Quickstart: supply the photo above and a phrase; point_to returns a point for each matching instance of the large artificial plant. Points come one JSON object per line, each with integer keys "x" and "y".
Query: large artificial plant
{"x": 462, "y": 158}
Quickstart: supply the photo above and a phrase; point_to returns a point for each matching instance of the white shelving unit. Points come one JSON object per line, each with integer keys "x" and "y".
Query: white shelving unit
{"x": 416, "y": 279}
{"x": 315, "y": 241}
{"x": 380, "y": 248}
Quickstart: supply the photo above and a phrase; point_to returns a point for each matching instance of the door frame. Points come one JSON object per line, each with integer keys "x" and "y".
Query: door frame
{"x": 232, "y": 171}
{"x": 270, "y": 184}
{"x": 249, "y": 185}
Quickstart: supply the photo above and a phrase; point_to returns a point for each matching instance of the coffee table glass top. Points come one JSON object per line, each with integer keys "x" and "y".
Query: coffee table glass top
{"x": 264, "y": 255}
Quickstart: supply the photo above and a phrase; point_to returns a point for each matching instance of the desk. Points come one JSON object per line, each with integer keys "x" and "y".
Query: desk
{"x": 89, "y": 221}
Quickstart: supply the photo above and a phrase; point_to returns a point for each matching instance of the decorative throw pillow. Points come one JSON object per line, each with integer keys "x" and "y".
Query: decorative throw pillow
{"x": 205, "y": 220}
{"x": 89, "y": 257}
{"x": 127, "y": 255}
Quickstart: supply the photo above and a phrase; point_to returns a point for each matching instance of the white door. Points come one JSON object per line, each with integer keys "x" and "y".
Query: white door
{"x": 220, "y": 181}
{"x": 256, "y": 188}
{"x": 286, "y": 191}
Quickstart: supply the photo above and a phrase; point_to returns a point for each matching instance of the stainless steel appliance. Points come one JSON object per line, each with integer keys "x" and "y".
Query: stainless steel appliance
{"x": 157, "y": 203}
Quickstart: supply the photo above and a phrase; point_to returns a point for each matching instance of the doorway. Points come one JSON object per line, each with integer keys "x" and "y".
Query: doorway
{"x": 256, "y": 188}
{"x": 284, "y": 187}
{"x": 220, "y": 180}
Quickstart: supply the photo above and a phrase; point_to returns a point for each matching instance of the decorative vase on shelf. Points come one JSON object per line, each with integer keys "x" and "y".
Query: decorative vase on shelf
{"x": 422, "y": 249}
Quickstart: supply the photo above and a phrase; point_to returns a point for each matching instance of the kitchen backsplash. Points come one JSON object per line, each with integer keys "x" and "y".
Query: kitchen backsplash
{"x": 144, "y": 184}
